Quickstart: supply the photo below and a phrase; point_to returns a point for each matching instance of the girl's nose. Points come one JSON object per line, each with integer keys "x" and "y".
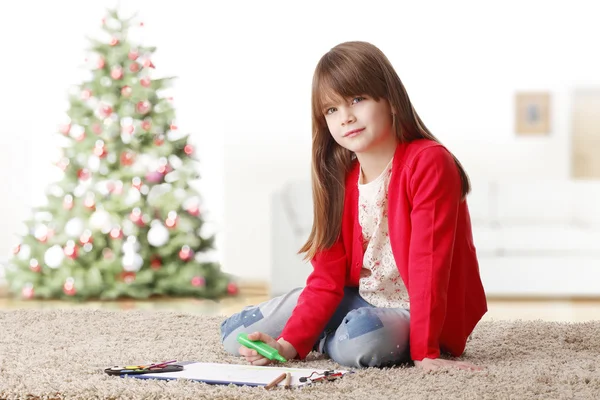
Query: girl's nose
{"x": 347, "y": 117}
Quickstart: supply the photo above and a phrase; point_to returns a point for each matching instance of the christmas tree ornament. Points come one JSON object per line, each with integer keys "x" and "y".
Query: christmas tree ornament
{"x": 146, "y": 125}
{"x": 128, "y": 276}
{"x": 126, "y": 91}
{"x": 97, "y": 128}
{"x": 100, "y": 149}
{"x": 74, "y": 227}
{"x": 173, "y": 126}
{"x": 108, "y": 254}
{"x": 27, "y": 292}
{"x": 86, "y": 94}
{"x": 159, "y": 140}
{"x": 71, "y": 250}
{"x": 145, "y": 81}
{"x": 100, "y": 220}
{"x": 83, "y": 174}
{"x": 132, "y": 262}
{"x": 34, "y": 265}
{"x": 24, "y": 252}
{"x": 16, "y": 249}
{"x": 148, "y": 63}
{"x": 63, "y": 163}
{"x": 188, "y": 149}
{"x": 136, "y": 182}
{"x": 64, "y": 129}
{"x": 86, "y": 237}
{"x": 171, "y": 220}
{"x": 127, "y": 158}
{"x": 143, "y": 107}
{"x": 100, "y": 64}
{"x": 116, "y": 233}
{"x": 131, "y": 245}
{"x": 158, "y": 235}
{"x": 186, "y": 253}
{"x": 114, "y": 41}
{"x": 53, "y": 257}
{"x": 116, "y": 73}
{"x": 41, "y": 233}
{"x": 105, "y": 110}
{"x": 154, "y": 177}
{"x": 136, "y": 216}
{"x": 232, "y": 288}
{"x": 134, "y": 67}
{"x": 133, "y": 54}
{"x": 198, "y": 281}
{"x": 69, "y": 287}
{"x": 155, "y": 262}
{"x": 90, "y": 201}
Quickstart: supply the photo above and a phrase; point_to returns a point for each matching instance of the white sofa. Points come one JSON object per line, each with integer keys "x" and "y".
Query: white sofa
{"x": 535, "y": 238}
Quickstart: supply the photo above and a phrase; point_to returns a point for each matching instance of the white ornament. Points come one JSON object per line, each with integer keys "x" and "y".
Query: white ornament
{"x": 100, "y": 220}
{"x": 24, "y": 252}
{"x": 54, "y": 256}
{"x": 133, "y": 196}
{"x": 74, "y": 227}
{"x": 41, "y": 232}
{"x": 131, "y": 245}
{"x": 158, "y": 235}
{"x": 132, "y": 262}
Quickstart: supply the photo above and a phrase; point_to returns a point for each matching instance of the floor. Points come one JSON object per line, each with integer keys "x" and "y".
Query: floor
{"x": 561, "y": 310}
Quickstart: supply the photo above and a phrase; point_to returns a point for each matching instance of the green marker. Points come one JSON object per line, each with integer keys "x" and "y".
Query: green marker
{"x": 261, "y": 347}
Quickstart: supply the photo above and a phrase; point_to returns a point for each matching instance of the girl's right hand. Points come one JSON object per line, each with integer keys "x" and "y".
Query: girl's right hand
{"x": 285, "y": 349}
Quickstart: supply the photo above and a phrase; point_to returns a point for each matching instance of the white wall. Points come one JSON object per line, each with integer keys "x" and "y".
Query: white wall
{"x": 244, "y": 89}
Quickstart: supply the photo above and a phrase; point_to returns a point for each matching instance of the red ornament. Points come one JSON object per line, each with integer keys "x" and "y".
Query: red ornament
{"x": 232, "y": 288}
{"x": 86, "y": 237}
{"x": 159, "y": 140}
{"x": 114, "y": 41}
{"x": 128, "y": 276}
{"x": 145, "y": 81}
{"x": 80, "y": 137}
{"x": 156, "y": 263}
{"x": 96, "y": 128}
{"x": 115, "y": 187}
{"x": 136, "y": 216}
{"x": 68, "y": 202}
{"x": 128, "y": 129}
{"x": 71, "y": 250}
{"x": 116, "y": 73}
{"x": 154, "y": 177}
{"x": 127, "y": 158}
{"x": 148, "y": 64}
{"x": 165, "y": 169}
{"x": 100, "y": 63}
{"x": 83, "y": 174}
{"x": 17, "y": 249}
{"x": 100, "y": 149}
{"x": 173, "y": 127}
{"x": 69, "y": 287}
{"x": 146, "y": 125}
{"x": 27, "y": 292}
{"x": 198, "y": 281}
{"x": 65, "y": 129}
{"x": 116, "y": 233}
{"x": 126, "y": 91}
{"x": 34, "y": 265}
{"x": 107, "y": 253}
{"x": 63, "y": 163}
{"x": 136, "y": 183}
{"x": 105, "y": 110}
{"x": 171, "y": 221}
{"x": 186, "y": 253}
{"x": 194, "y": 211}
{"x": 133, "y": 55}
{"x": 86, "y": 94}
{"x": 89, "y": 202}
{"x": 188, "y": 149}
{"x": 143, "y": 107}
{"x": 134, "y": 67}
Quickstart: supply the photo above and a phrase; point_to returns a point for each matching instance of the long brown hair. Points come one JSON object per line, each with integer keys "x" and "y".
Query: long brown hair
{"x": 352, "y": 69}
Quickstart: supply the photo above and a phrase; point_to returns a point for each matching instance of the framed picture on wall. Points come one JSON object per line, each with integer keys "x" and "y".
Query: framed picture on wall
{"x": 532, "y": 113}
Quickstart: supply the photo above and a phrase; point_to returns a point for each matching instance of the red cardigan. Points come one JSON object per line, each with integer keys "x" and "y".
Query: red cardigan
{"x": 430, "y": 235}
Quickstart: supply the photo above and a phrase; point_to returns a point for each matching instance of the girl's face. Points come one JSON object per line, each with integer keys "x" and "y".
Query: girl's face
{"x": 359, "y": 123}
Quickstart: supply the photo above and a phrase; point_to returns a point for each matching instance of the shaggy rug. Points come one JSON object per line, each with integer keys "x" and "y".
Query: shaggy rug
{"x": 62, "y": 353}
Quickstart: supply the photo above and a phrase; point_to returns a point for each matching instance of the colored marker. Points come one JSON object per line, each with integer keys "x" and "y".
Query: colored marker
{"x": 261, "y": 347}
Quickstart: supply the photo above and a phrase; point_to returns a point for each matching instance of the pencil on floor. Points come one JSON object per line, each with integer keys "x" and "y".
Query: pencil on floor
{"x": 275, "y": 381}
{"x": 288, "y": 380}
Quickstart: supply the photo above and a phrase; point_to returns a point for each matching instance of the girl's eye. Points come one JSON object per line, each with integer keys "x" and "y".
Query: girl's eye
{"x": 359, "y": 98}
{"x": 330, "y": 110}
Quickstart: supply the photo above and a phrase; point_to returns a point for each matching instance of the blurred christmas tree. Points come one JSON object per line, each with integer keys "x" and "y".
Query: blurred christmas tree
{"x": 123, "y": 221}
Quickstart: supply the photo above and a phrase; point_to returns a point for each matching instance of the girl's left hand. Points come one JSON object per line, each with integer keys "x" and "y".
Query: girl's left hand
{"x": 432, "y": 364}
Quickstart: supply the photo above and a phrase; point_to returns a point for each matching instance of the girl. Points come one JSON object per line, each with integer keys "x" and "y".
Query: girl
{"x": 395, "y": 274}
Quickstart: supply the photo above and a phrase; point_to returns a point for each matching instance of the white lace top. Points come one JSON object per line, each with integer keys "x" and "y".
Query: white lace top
{"x": 380, "y": 283}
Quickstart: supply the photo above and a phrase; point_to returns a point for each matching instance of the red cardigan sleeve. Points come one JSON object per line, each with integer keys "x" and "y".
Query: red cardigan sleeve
{"x": 435, "y": 189}
{"x": 318, "y": 301}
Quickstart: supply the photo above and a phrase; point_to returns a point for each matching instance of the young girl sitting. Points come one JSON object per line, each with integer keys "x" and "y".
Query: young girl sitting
{"x": 395, "y": 273}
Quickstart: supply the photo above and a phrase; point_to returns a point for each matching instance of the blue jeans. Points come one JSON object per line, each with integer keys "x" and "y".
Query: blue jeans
{"x": 357, "y": 335}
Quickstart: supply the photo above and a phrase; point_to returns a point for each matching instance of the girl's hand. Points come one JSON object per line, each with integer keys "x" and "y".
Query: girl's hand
{"x": 285, "y": 349}
{"x": 431, "y": 364}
